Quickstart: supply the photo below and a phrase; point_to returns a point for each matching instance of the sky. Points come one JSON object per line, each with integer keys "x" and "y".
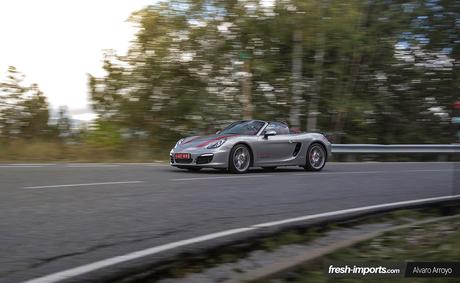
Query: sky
{"x": 56, "y": 43}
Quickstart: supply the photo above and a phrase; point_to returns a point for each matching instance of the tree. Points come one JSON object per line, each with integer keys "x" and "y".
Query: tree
{"x": 23, "y": 109}
{"x": 356, "y": 68}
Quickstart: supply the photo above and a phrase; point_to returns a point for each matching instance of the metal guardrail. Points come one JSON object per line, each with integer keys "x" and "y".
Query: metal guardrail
{"x": 396, "y": 148}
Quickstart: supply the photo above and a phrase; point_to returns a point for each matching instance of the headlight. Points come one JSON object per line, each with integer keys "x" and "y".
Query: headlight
{"x": 217, "y": 144}
{"x": 179, "y": 142}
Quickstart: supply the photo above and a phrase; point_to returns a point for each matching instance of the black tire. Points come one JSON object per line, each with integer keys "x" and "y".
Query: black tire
{"x": 316, "y": 157}
{"x": 194, "y": 169}
{"x": 270, "y": 168}
{"x": 240, "y": 159}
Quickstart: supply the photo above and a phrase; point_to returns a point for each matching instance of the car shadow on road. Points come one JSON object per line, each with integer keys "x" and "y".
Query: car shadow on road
{"x": 251, "y": 171}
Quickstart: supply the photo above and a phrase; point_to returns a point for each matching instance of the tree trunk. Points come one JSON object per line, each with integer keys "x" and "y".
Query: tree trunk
{"x": 246, "y": 88}
{"x": 294, "y": 115}
{"x": 349, "y": 88}
{"x": 338, "y": 126}
{"x": 312, "y": 120}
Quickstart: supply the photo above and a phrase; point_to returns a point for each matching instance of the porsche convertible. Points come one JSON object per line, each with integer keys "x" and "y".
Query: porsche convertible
{"x": 252, "y": 143}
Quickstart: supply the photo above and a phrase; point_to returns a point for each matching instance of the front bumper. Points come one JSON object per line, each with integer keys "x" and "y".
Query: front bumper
{"x": 201, "y": 157}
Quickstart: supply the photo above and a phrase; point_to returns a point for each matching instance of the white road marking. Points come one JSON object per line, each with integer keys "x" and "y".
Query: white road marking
{"x": 373, "y": 172}
{"x": 95, "y": 165}
{"x": 221, "y": 177}
{"x": 55, "y": 277}
{"x": 92, "y": 165}
{"x": 432, "y": 170}
{"x": 83, "y": 269}
{"x": 30, "y": 164}
{"x": 83, "y": 185}
{"x": 387, "y": 162}
{"x": 338, "y": 173}
{"x": 103, "y": 165}
{"x": 21, "y": 166}
{"x": 145, "y": 164}
{"x": 352, "y": 210}
{"x": 79, "y": 165}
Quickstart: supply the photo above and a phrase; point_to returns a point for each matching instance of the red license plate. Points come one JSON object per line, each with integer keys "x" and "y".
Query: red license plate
{"x": 182, "y": 156}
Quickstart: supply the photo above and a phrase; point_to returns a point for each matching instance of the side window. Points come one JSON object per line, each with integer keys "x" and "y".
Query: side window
{"x": 279, "y": 128}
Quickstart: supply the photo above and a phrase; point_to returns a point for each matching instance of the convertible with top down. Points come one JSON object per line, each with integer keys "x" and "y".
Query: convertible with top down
{"x": 252, "y": 143}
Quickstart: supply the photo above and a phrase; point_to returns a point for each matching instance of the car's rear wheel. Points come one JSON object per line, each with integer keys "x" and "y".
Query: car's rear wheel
{"x": 316, "y": 157}
{"x": 240, "y": 159}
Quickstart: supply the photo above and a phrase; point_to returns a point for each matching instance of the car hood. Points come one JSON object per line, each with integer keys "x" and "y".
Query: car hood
{"x": 202, "y": 141}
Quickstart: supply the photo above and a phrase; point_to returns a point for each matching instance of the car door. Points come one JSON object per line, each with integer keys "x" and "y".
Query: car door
{"x": 277, "y": 149}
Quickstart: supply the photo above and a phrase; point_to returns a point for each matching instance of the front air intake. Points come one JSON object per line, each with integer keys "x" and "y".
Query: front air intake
{"x": 204, "y": 159}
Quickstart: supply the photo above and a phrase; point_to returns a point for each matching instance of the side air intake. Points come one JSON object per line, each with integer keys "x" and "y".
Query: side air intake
{"x": 297, "y": 149}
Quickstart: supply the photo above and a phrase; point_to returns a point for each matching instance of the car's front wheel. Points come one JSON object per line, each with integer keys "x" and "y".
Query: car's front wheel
{"x": 316, "y": 157}
{"x": 240, "y": 159}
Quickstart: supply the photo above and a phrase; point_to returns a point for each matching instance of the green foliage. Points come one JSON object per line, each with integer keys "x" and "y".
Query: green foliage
{"x": 369, "y": 71}
{"x": 379, "y": 80}
{"x": 104, "y": 136}
{"x": 23, "y": 109}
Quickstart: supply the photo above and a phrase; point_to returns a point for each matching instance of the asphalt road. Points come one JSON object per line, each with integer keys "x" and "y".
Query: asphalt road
{"x": 58, "y": 216}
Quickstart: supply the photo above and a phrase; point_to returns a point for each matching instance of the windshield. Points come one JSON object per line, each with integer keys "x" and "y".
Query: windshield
{"x": 243, "y": 128}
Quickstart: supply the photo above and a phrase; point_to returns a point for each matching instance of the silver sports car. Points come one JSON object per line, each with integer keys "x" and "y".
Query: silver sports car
{"x": 252, "y": 143}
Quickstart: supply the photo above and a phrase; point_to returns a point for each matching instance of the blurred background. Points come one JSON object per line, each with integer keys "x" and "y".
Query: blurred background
{"x": 368, "y": 71}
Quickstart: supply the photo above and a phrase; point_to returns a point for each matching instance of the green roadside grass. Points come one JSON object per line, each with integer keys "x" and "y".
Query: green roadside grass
{"x": 438, "y": 241}
{"x": 54, "y": 151}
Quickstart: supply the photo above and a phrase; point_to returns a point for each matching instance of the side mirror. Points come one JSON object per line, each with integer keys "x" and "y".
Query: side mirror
{"x": 269, "y": 133}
